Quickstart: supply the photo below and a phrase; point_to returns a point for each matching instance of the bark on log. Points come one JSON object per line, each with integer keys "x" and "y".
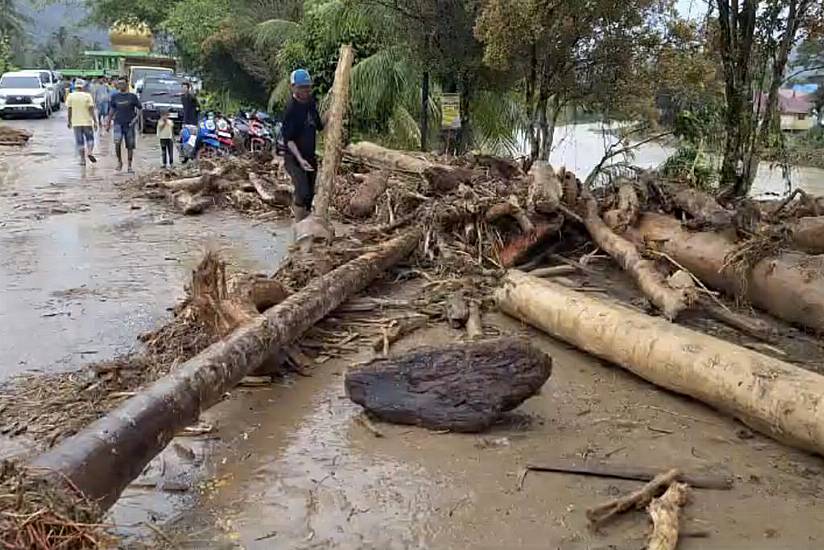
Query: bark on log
{"x": 502, "y": 168}
{"x": 105, "y": 457}
{"x": 460, "y": 387}
{"x": 768, "y": 395}
{"x": 545, "y": 189}
{"x": 808, "y": 234}
{"x": 664, "y": 514}
{"x": 441, "y": 178}
{"x": 362, "y": 203}
{"x": 388, "y": 159}
{"x": 789, "y": 285}
{"x": 702, "y": 207}
{"x": 334, "y": 134}
{"x": 626, "y": 211}
{"x": 651, "y": 282}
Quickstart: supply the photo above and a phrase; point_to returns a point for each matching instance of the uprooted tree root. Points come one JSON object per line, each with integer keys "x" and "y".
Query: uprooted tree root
{"x": 38, "y": 514}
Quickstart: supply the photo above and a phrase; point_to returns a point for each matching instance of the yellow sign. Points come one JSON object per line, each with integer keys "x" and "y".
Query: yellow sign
{"x": 450, "y": 111}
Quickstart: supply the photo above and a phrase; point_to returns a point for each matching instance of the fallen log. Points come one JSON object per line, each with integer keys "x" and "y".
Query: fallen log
{"x": 790, "y": 285}
{"x": 104, "y": 458}
{"x": 664, "y": 514}
{"x": 652, "y": 283}
{"x": 362, "y": 204}
{"x": 626, "y": 211}
{"x": 807, "y": 234}
{"x": 271, "y": 194}
{"x": 191, "y": 185}
{"x": 768, "y": 395}
{"x": 545, "y": 190}
{"x": 441, "y": 178}
{"x": 523, "y": 247}
{"x": 333, "y": 134}
{"x": 702, "y": 207}
{"x": 459, "y": 387}
{"x": 502, "y": 168}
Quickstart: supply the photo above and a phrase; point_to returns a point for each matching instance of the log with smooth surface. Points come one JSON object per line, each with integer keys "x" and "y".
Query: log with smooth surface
{"x": 670, "y": 301}
{"x": 105, "y": 457}
{"x": 789, "y": 285}
{"x": 768, "y": 395}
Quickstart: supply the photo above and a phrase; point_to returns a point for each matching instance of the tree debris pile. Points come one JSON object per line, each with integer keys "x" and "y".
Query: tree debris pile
{"x": 15, "y": 137}
{"x": 252, "y": 184}
{"x": 40, "y": 514}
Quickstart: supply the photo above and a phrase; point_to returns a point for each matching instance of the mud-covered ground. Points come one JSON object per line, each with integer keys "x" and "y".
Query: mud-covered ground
{"x": 85, "y": 269}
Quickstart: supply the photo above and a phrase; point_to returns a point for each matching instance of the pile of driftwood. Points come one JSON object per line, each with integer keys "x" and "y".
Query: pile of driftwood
{"x": 251, "y": 184}
{"x": 13, "y": 136}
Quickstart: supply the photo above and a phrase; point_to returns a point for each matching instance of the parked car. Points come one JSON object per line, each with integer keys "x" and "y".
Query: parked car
{"x": 52, "y": 83}
{"x": 158, "y": 95}
{"x": 24, "y": 93}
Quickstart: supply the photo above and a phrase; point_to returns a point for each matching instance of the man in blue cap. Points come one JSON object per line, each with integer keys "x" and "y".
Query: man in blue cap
{"x": 301, "y": 122}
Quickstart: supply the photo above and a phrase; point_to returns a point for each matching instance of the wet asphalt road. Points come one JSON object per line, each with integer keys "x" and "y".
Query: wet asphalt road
{"x": 83, "y": 269}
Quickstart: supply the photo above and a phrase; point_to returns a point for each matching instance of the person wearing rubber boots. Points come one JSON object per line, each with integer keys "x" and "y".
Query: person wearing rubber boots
{"x": 301, "y": 123}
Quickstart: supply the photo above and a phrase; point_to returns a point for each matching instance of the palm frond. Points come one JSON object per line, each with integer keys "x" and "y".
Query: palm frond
{"x": 498, "y": 119}
{"x": 403, "y": 128}
{"x": 279, "y": 94}
{"x": 381, "y": 81}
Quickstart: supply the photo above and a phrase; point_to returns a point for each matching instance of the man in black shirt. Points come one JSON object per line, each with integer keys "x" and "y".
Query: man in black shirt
{"x": 124, "y": 110}
{"x": 190, "y": 105}
{"x": 301, "y": 123}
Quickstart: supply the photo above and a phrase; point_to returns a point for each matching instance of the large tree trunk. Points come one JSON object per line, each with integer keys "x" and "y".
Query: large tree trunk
{"x": 551, "y": 119}
{"x": 808, "y": 234}
{"x": 789, "y": 285}
{"x": 773, "y": 397}
{"x": 701, "y": 206}
{"x": 105, "y": 457}
{"x": 334, "y": 134}
{"x": 459, "y": 387}
{"x": 652, "y": 283}
{"x": 441, "y": 178}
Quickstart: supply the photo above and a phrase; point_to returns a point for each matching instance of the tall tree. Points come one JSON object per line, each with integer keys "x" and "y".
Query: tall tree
{"x": 755, "y": 39}
{"x": 12, "y": 21}
{"x": 585, "y": 52}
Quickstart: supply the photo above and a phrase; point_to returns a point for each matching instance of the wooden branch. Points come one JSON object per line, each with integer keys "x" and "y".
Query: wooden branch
{"x": 601, "y": 514}
{"x": 664, "y": 514}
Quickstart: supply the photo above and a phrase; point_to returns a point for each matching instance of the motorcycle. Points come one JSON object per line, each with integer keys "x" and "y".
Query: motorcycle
{"x": 260, "y": 133}
{"x": 225, "y": 136}
{"x": 205, "y": 142}
{"x": 240, "y": 129}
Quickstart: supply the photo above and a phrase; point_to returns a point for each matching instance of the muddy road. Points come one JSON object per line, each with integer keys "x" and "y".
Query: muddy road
{"x": 84, "y": 269}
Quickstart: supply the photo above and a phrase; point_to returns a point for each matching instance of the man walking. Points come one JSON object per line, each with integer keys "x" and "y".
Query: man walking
{"x": 190, "y": 105}
{"x": 102, "y": 93}
{"x": 125, "y": 111}
{"x": 301, "y": 122}
{"x": 82, "y": 121}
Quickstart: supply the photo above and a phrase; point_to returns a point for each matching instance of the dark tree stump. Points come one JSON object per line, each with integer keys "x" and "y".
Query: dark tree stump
{"x": 459, "y": 387}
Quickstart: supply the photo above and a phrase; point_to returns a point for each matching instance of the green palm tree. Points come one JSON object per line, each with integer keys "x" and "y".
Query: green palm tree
{"x": 12, "y": 21}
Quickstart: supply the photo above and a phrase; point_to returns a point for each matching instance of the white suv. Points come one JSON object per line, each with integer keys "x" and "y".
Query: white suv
{"x": 24, "y": 92}
{"x": 49, "y": 79}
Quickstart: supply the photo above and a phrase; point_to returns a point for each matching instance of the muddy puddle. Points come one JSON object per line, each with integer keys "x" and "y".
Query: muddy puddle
{"x": 84, "y": 269}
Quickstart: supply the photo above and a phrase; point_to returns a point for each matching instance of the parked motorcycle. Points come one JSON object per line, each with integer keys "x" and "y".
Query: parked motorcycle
{"x": 260, "y": 133}
{"x": 225, "y": 135}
